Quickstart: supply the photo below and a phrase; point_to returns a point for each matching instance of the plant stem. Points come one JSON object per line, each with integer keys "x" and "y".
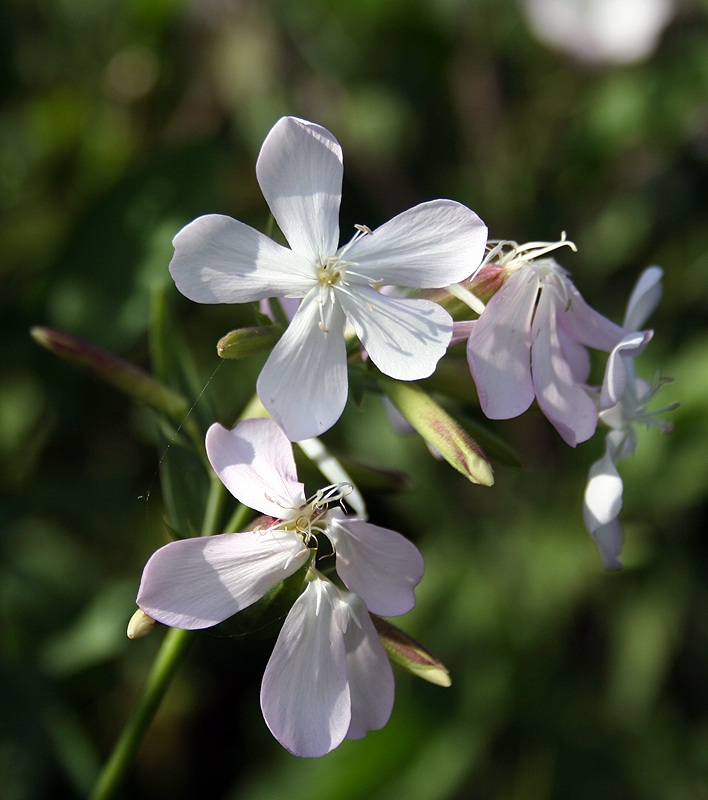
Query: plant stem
{"x": 170, "y": 655}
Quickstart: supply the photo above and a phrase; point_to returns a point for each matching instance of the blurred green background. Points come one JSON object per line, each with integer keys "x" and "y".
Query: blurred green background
{"x": 120, "y": 122}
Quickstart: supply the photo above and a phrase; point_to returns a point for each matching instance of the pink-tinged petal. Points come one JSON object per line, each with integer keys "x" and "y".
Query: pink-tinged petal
{"x": 220, "y": 260}
{"x": 602, "y": 502}
{"x": 303, "y": 385}
{"x": 644, "y": 298}
{"x": 564, "y": 402}
{"x": 255, "y": 462}
{"x": 615, "y": 380}
{"x": 378, "y": 564}
{"x": 609, "y": 540}
{"x": 431, "y": 245}
{"x": 369, "y": 671}
{"x": 305, "y": 694}
{"x": 584, "y": 325}
{"x": 499, "y": 348}
{"x": 196, "y": 583}
{"x": 576, "y": 356}
{"x": 299, "y": 170}
{"x": 405, "y": 338}
{"x": 461, "y": 331}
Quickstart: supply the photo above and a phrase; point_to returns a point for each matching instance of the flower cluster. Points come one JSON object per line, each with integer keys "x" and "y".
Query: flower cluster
{"x": 329, "y": 676}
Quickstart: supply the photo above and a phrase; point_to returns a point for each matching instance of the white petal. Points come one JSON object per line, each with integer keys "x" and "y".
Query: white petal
{"x": 499, "y": 348}
{"x": 602, "y": 502}
{"x": 299, "y": 170}
{"x": 565, "y": 403}
{"x": 196, "y": 583}
{"x": 644, "y": 298}
{"x": 220, "y": 260}
{"x": 431, "y": 245}
{"x": 378, "y": 564}
{"x": 405, "y": 338}
{"x": 305, "y": 695}
{"x": 615, "y": 380}
{"x": 255, "y": 462}
{"x": 609, "y": 539}
{"x": 585, "y": 325}
{"x": 304, "y": 382}
{"x": 369, "y": 671}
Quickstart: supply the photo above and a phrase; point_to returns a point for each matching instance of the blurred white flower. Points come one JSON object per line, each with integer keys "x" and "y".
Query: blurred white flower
{"x": 600, "y": 31}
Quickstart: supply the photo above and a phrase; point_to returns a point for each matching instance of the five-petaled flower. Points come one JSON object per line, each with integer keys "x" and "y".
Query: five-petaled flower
{"x": 304, "y": 382}
{"x": 530, "y": 341}
{"x": 623, "y": 405}
{"x": 328, "y": 677}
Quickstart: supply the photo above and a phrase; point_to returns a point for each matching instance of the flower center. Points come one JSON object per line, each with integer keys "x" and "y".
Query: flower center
{"x": 311, "y": 517}
{"x": 332, "y": 271}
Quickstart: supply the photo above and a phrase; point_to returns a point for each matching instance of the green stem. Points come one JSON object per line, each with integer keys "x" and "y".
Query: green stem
{"x": 170, "y": 655}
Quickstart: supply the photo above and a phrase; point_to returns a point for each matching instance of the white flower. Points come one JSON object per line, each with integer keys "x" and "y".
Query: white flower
{"x": 623, "y": 402}
{"x": 329, "y": 677}
{"x": 304, "y": 382}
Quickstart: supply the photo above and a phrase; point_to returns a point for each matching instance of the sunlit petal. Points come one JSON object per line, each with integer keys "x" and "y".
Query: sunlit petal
{"x": 305, "y": 694}
{"x": 196, "y": 583}
{"x": 404, "y": 338}
{"x": 220, "y": 260}
{"x": 378, "y": 564}
{"x": 255, "y": 462}
{"x": 299, "y": 170}
{"x": 304, "y": 382}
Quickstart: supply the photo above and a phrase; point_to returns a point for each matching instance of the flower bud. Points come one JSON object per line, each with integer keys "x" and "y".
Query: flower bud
{"x": 440, "y": 430}
{"x": 126, "y": 377}
{"x": 245, "y": 342}
{"x": 141, "y": 625}
{"x": 403, "y": 650}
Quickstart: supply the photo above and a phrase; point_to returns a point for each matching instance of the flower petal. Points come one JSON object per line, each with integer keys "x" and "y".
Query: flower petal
{"x": 378, "y": 564}
{"x": 565, "y": 403}
{"x": 499, "y": 348}
{"x": 305, "y": 695}
{"x": 220, "y": 260}
{"x": 405, "y": 338}
{"x": 644, "y": 298}
{"x": 196, "y": 583}
{"x": 609, "y": 539}
{"x": 256, "y": 464}
{"x": 615, "y": 380}
{"x": 602, "y": 502}
{"x": 431, "y": 245}
{"x": 304, "y": 382}
{"x": 585, "y": 325}
{"x": 371, "y": 685}
{"x": 299, "y": 170}
{"x": 576, "y": 356}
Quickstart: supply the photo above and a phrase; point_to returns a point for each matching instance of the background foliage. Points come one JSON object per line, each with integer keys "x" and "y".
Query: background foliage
{"x": 120, "y": 122}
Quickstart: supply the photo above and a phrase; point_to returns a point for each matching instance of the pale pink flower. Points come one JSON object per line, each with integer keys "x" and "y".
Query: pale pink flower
{"x": 530, "y": 343}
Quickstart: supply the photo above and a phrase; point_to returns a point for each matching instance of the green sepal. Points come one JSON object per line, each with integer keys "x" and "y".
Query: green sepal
{"x": 403, "y": 650}
{"x": 260, "y": 618}
{"x": 440, "y": 430}
{"x": 244, "y": 342}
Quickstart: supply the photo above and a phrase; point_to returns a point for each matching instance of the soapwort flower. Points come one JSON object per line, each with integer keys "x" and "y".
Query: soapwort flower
{"x": 304, "y": 382}
{"x": 328, "y": 677}
{"x": 530, "y": 342}
{"x": 623, "y": 402}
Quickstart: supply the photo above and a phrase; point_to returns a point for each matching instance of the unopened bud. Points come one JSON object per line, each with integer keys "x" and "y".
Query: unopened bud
{"x": 125, "y": 376}
{"x": 440, "y": 430}
{"x": 141, "y": 625}
{"x": 245, "y": 342}
{"x": 403, "y": 650}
